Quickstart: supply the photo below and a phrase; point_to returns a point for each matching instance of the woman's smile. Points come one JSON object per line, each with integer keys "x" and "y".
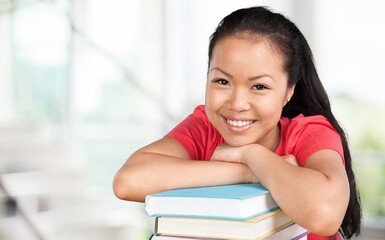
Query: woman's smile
{"x": 238, "y": 126}
{"x": 238, "y": 123}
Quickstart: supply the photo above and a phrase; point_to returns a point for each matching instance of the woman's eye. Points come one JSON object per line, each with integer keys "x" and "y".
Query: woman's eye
{"x": 222, "y": 81}
{"x": 259, "y": 87}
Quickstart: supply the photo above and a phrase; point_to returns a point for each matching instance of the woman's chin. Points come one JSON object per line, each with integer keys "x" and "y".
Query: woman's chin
{"x": 238, "y": 143}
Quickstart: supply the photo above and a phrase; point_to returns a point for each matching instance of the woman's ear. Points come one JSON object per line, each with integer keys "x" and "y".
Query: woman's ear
{"x": 289, "y": 94}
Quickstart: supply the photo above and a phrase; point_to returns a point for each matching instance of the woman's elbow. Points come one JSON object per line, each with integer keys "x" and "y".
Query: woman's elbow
{"x": 119, "y": 187}
{"x": 125, "y": 189}
{"x": 325, "y": 222}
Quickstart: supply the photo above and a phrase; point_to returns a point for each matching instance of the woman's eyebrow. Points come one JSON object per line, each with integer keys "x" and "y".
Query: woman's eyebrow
{"x": 222, "y": 71}
{"x": 261, "y": 76}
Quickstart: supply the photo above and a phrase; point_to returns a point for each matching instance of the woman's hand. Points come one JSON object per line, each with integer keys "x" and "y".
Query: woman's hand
{"x": 291, "y": 159}
{"x": 228, "y": 153}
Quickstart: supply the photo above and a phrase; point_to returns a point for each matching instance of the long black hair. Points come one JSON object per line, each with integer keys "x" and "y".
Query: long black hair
{"x": 310, "y": 97}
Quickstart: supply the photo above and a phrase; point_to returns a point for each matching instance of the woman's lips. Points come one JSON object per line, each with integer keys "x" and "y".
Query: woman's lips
{"x": 239, "y": 123}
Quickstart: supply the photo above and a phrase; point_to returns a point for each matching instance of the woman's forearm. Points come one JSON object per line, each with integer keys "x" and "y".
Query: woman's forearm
{"x": 314, "y": 199}
{"x": 147, "y": 173}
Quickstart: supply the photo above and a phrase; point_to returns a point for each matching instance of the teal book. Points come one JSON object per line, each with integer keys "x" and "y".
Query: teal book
{"x": 233, "y": 202}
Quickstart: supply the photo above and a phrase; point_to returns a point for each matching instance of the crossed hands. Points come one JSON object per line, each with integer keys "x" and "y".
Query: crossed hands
{"x": 228, "y": 153}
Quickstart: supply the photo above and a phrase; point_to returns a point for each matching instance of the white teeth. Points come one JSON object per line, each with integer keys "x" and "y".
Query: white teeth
{"x": 239, "y": 123}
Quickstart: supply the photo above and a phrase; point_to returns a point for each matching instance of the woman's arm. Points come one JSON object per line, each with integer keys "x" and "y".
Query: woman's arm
{"x": 165, "y": 165}
{"x": 314, "y": 196}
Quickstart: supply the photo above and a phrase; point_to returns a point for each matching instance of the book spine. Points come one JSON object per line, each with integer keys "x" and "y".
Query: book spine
{"x": 156, "y": 226}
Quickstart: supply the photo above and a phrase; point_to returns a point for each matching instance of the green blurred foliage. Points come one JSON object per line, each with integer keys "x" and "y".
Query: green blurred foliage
{"x": 370, "y": 173}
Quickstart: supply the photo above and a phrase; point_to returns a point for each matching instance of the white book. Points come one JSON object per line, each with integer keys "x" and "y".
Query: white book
{"x": 254, "y": 228}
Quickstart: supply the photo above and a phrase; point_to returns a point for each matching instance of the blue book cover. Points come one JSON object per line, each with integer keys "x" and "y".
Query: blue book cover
{"x": 235, "y": 201}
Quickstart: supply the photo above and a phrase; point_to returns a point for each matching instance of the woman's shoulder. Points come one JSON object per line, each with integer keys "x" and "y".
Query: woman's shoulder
{"x": 197, "y": 134}
{"x": 302, "y": 120}
{"x": 200, "y": 111}
{"x": 197, "y": 118}
{"x": 315, "y": 125}
{"x": 303, "y": 123}
{"x": 304, "y": 135}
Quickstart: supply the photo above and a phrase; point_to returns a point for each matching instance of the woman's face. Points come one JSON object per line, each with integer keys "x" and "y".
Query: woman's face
{"x": 246, "y": 91}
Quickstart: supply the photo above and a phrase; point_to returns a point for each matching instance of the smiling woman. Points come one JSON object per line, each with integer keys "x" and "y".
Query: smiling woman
{"x": 70, "y": 85}
{"x": 266, "y": 111}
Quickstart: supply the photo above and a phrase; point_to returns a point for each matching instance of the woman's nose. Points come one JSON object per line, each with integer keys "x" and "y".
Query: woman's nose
{"x": 239, "y": 101}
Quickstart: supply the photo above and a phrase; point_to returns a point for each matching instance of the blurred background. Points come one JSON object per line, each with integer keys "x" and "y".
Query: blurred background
{"x": 84, "y": 83}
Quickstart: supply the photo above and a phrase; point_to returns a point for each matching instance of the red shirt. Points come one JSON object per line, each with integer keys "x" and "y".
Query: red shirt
{"x": 300, "y": 136}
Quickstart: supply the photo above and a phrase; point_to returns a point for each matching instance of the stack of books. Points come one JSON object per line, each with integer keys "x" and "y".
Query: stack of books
{"x": 237, "y": 211}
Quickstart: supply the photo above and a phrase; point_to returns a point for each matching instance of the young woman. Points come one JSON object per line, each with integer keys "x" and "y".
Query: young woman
{"x": 266, "y": 119}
